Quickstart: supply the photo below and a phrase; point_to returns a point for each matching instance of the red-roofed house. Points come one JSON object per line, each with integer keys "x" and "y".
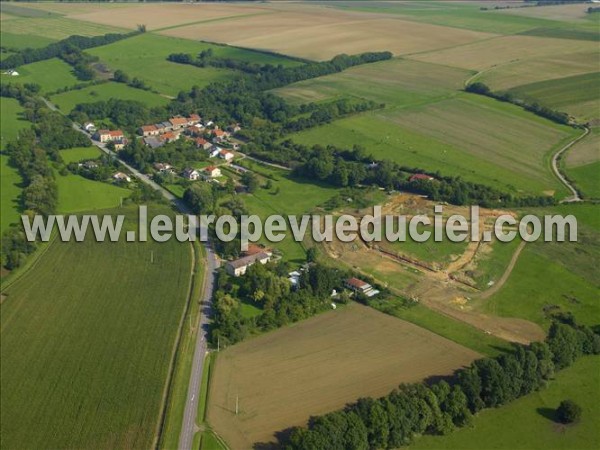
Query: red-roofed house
{"x": 203, "y": 143}
{"x": 219, "y": 135}
{"x": 178, "y": 122}
{"x": 193, "y": 119}
{"x": 148, "y": 130}
{"x": 227, "y": 156}
{"x": 109, "y": 135}
{"x": 211, "y": 172}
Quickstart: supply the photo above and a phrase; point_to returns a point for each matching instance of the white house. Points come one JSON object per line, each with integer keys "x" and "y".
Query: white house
{"x": 211, "y": 172}
{"x": 89, "y": 127}
{"x": 227, "y": 156}
{"x": 191, "y": 174}
{"x": 120, "y": 176}
{"x": 239, "y": 266}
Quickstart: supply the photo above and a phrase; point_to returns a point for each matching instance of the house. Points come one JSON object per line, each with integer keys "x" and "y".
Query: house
{"x": 109, "y": 135}
{"x": 214, "y": 151}
{"x": 148, "y": 130}
{"x": 12, "y": 73}
{"x": 119, "y": 145}
{"x": 234, "y": 127}
{"x": 421, "y": 176}
{"x": 193, "y": 119}
{"x": 169, "y": 136}
{"x": 202, "y": 143}
{"x": 89, "y": 127}
{"x": 294, "y": 279}
{"x": 227, "y": 156}
{"x": 153, "y": 142}
{"x": 235, "y": 146}
{"x": 163, "y": 167}
{"x": 219, "y": 135}
{"x": 120, "y": 176}
{"x": 360, "y": 286}
{"x": 190, "y": 174}
{"x": 166, "y": 126}
{"x": 211, "y": 172}
{"x": 178, "y": 122}
{"x": 239, "y": 266}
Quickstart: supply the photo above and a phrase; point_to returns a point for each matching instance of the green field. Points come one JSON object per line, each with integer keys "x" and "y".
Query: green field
{"x": 68, "y": 100}
{"x": 75, "y": 155}
{"x": 10, "y": 120}
{"x": 51, "y": 74}
{"x": 76, "y": 194}
{"x": 586, "y": 177}
{"x": 10, "y": 192}
{"x": 528, "y": 423}
{"x": 577, "y": 95}
{"x": 87, "y": 336}
{"x": 19, "y": 41}
{"x": 145, "y": 57}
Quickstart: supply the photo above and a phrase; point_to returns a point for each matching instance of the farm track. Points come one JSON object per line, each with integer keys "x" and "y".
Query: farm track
{"x": 189, "y": 426}
{"x": 555, "y": 159}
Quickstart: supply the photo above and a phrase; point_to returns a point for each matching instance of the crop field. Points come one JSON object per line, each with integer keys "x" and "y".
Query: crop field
{"x": 477, "y": 138}
{"x": 577, "y": 95}
{"x": 321, "y": 33}
{"x": 531, "y": 419}
{"x": 66, "y": 101}
{"x": 10, "y": 192}
{"x": 87, "y": 336}
{"x": 55, "y": 27}
{"x": 77, "y": 194}
{"x": 74, "y": 155}
{"x": 51, "y": 75}
{"x": 338, "y": 356}
{"x": 551, "y": 67}
{"x": 496, "y": 52}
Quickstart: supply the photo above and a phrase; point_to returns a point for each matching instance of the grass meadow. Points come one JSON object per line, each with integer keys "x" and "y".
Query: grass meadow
{"x": 586, "y": 177}
{"x": 68, "y": 100}
{"x": 75, "y": 155}
{"x": 87, "y": 335}
{"x": 10, "y": 192}
{"x": 77, "y": 194}
{"x": 51, "y": 74}
{"x": 145, "y": 57}
{"x": 531, "y": 419}
{"x": 11, "y": 120}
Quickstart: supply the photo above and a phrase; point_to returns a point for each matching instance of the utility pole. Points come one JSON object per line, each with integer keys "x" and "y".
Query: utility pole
{"x": 237, "y": 404}
{"x": 218, "y": 343}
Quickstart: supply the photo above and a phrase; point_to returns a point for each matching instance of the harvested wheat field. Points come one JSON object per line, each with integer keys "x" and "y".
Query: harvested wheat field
{"x": 496, "y": 52}
{"x": 319, "y": 365}
{"x": 319, "y": 34}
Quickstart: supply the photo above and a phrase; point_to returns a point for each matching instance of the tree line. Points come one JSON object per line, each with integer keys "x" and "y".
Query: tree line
{"x": 509, "y": 97}
{"x": 396, "y": 419}
{"x": 30, "y": 55}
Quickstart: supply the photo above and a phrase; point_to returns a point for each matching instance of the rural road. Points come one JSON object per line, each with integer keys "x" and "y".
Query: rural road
{"x": 188, "y": 428}
{"x": 575, "y": 197}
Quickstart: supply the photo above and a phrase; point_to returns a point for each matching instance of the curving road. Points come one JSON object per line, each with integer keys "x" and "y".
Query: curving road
{"x": 188, "y": 428}
{"x": 575, "y": 197}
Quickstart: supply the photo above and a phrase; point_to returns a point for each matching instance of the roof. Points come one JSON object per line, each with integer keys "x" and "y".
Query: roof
{"x": 148, "y": 128}
{"x": 189, "y": 171}
{"x": 201, "y": 141}
{"x": 356, "y": 283}
{"x": 218, "y": 133}
{"x": 153, "y": 142}
{"x": 120, "y": 175}
{"x": 225, "y": 153}
{"x": 115, "y": 133}
{"x": 246, "y": 260}
{"x": 420, "y": 176}
{"x": 194, "y": 117}
{"x": 178, "y": 121}
{"x": 210, "y": 168}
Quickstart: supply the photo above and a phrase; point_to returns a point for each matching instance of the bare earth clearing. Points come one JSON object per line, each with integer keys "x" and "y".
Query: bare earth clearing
{"x": 319, "y": 365}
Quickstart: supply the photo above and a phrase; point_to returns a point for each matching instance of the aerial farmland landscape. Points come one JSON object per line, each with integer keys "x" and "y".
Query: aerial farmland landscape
{"x": 300, "y": 225}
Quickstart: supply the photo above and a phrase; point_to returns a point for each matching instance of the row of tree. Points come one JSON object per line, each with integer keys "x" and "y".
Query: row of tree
{"x": 509, "y": 97}
{"x": 30, "y": 55}
{"x": 411, "y": 410}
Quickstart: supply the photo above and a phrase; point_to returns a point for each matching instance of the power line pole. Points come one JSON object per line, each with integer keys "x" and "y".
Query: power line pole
{"x": 237, "y": 404}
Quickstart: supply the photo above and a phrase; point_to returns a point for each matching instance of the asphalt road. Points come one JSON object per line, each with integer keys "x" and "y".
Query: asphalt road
{"x": 189, "y": 427}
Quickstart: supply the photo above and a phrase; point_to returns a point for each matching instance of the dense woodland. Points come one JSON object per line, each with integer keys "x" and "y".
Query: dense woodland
{"x": 411, "y": 410}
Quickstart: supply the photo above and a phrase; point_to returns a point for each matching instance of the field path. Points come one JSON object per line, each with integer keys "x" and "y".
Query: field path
{"x": 189, "y": 426}
{"x": 575, "y": 197}
{"x": 511, "y": 265}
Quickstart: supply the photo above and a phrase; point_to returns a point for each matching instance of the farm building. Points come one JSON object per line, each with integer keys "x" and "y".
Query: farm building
{"x": 190, "y": 174}
{"x": 356, "y": 285}
{"x": 239, "y": 266}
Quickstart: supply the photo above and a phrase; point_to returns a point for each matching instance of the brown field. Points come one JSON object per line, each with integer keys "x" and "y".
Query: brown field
{"x": 546, "y": 68}
{"x": 156, "y": 16}
{"x": 318, "y": 33}
{"x": 318, "y": 366}
{"x": 504, "y": 50}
